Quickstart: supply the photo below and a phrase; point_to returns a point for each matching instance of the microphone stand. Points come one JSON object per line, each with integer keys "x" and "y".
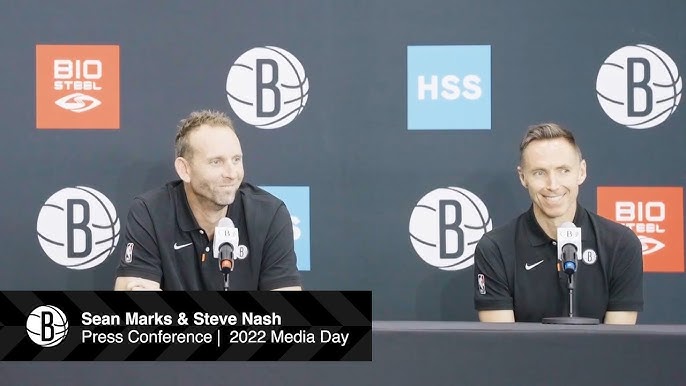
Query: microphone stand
{"x": 570, "y": 318}
{"x": 226, "y": 264}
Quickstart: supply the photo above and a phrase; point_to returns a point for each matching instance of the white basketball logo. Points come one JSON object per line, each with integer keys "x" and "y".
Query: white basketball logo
{"x": 639, "y": 86}
{"x": 47, "y": 326}
{"x": 78, "y": 227}
{"x": 267, "y": 87}
{"x": 589, "y": 256}
{"x": 445, "y": 226}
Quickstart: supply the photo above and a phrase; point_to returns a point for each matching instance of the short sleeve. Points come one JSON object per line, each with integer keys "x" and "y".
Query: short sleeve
{"x": 626, "y": 279}
{"x": 139, "y": 252}
{"x": 491, "y": 290}
{"x": 279, "y": 262}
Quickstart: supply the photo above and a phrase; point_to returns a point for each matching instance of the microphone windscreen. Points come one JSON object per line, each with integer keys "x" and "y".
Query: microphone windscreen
{"x": 226, "y": 223}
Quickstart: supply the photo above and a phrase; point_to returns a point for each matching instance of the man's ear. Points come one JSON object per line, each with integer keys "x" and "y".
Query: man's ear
{"x": 183, "y": 169}
{"x": 582, "y": 172}
{"x": 520, "y": 174}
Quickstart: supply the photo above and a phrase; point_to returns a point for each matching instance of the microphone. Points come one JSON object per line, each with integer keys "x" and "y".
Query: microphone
{"x": 225, "y": 243}
{"x": 568, "y": 246}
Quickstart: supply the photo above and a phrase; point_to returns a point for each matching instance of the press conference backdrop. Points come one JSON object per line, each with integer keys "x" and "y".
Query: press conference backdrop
{"x": 389, "y": 128}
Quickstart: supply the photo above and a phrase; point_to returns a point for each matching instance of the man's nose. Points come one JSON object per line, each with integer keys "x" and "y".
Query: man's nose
{"x": 230, "y": 171}
{"x": 553, "y": 182}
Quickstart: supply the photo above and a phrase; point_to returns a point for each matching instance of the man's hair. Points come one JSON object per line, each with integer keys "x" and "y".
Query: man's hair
{"x": 545, "y": 131}
{"x": 192, "y": 122}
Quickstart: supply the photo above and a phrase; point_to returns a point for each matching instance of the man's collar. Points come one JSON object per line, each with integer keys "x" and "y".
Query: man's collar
{"x": 537, "y": 235}
{"x": 184, "y": 215}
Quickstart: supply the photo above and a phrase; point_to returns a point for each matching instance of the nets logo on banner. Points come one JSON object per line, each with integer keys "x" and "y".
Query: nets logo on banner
{"x": 445, "y": 226}
{"x": 77, "y": 87}
{"x": 78, "y": 227}
{"x": 656, "y": 215}
{"x": 639, "y": 86}
{"x": 267, "y": 87}
{"x": 297, "y": 200}
{"x": 47, "y": 326}
{"x": 448, "y": 87}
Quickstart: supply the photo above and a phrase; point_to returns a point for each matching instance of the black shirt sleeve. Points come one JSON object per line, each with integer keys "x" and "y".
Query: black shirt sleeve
{"x": 626, "y": 279}
{"x": 491, "y": 291}
{"x": 141, "y": 256}
{"x": 279, "y": 263}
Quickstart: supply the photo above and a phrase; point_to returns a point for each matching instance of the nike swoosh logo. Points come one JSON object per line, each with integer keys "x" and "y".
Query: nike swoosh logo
{"x": 529, "y": 267}
{"x": 177, "y": 247}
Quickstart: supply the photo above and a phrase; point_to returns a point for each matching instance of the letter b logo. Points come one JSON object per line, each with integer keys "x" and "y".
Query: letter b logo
{"x": 78, "y": 227}
{"x": 639, "y": 86}
{"x": 445, "y": 226}
{"x": 47, "y": 326}
{"x": 267, "y": 87}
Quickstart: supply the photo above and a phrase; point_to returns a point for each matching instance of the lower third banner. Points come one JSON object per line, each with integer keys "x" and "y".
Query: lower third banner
{"x": 185, "y": 326}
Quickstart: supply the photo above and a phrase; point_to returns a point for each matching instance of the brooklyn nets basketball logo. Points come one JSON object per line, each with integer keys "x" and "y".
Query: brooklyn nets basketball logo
{"x": 639, "y": 86}
{"x": 267, "y": 87}
{"x": 78, "y": 227}
{"x": 589, "y": 256}
{"x": 445, "y": 226}
{"x": 47, "y": 326}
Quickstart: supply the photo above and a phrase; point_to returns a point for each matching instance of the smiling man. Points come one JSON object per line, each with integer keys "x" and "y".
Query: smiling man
{"x": 167, "y": 243}
{"x": 516, "y": 274}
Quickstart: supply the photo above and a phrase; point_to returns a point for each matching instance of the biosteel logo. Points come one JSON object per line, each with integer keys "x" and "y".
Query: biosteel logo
{"x": 656, "y": 215}
{"x": 77, "y": 87}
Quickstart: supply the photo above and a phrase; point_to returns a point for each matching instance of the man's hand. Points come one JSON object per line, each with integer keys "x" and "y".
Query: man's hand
{"x": 294, "y": 288}
{"x": 128, "y": 283}
{"x": 621, "y": 317}
{"x": 497, "y": 316}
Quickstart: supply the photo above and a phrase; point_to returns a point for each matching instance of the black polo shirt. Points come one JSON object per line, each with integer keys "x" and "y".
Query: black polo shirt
{"x": 163, "y": 242}
{"x": 515, "y": 268}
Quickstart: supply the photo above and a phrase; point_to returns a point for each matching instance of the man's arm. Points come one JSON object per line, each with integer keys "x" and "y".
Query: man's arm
{"x": 128, "y": 283}
{"x": 492, "y": 297}
{"x": 293, "y": 288}
{"x": 279, "y": 265}
{"x": 621, "y": 317}
{"x": 626, "y": 283}
{"x": 497, "y": 316}
{"x": 139, "y": 265}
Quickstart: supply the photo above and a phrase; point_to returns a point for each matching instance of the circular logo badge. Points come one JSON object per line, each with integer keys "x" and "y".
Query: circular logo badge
{"x": 78, "y": 227}
{"x": 589, "y": 256}
{"x": 267, "y": 87}
{"x": 639, "y": 86}
{"x": 47, "y": 326}
{"x": 445, "y": 226}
